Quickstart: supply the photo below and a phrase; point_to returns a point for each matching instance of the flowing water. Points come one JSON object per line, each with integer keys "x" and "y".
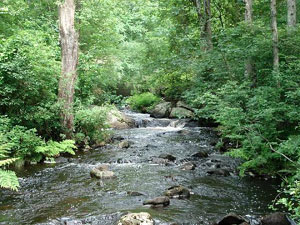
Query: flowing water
{"x": 64, "y": 193}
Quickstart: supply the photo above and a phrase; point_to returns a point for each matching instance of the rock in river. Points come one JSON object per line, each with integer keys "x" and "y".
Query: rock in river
{"x": 200, "y": 155}
{"x": 161, "y": 110}
{"x": 179, "y": 112}
{"x": 134, "y": 193}
{"x": 188, "y": 166}
{"x": 102, "y": 167}
{"x": 219, "y": 172}
{"x": 118, "y": 120}
{"x": 124, "y": 144}
{"x": 232, "y": 219}
{"x": 275, "y": 219}
{"x": 102, "y": 173}
{"x": 142, "y": 218}
{"x": 167, "y": 156}
{"x": 158, "y": 201}
{"x": 177, "y": 192}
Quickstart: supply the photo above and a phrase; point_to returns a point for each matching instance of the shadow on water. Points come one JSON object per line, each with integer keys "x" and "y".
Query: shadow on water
{"x": 50, "y": 194}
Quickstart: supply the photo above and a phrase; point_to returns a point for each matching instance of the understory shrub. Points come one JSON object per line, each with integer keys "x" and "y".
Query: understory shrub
{"x": 29, "y": 73}
{"x": 90, "y": 125}
{"x": 289, "y": 196}
{"x": 171, "y": 85}
{"x": 8, "y": 178}
{"x": 260, "y": 115}
{"x": 17, "y": 143}
{"x": 142, "y": 101}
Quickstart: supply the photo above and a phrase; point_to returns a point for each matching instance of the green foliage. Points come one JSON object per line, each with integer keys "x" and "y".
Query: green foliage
{"x": 153, "y": 47}
{"x": 20, "y": 142}
{"x": 171, "y": 85}
{"x": 290, "y": 197}
{"x": 90, "y": 124}
{"x": 54, "y": 149}
{"x": 28, "y": 80}
{"x": 9, "y": 180}
{"x": 142, "y": 101}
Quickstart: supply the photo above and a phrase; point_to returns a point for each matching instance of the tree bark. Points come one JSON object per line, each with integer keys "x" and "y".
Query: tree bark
{"x": 69, "y": 59}
{"x": 248, "y": 11}
{"x": 291, "y": 13}
{"x": 204, "y": 17}
{"x": 207, "y": 26}
{"x": 249, "y": 19}
{"x": 274, "y": 36}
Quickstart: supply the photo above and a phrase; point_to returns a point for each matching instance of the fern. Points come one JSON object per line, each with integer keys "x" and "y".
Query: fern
{"x": 9, "y": 180}
{"x": 53, "y": 148}
{"x": 6, "y": 162}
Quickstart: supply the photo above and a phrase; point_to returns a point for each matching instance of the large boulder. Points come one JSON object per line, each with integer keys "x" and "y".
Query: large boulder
{"x": 275, "y": 219}
{"x": 181, "y": 104}
{"x": 179, "y": 112}
{"x": 161, "y": 110}
{"x": 142, "y": 218}
{"x": 118, "y": 120}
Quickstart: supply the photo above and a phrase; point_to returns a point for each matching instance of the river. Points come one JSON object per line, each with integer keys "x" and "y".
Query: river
{"x": 64, "y": 193}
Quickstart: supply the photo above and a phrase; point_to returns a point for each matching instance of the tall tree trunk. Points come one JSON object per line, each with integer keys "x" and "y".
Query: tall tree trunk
{"x": 207, "y": 26}
{"x": 249, "y": 11}
{"x": 204, "y": 17}
{"x": 249, "y": 19}
{"x": 274, "y": 36}
{"x": 291, "y": 13}
{"x": 69, "y": 55}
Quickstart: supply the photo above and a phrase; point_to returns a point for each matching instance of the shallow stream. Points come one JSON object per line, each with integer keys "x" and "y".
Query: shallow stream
{"x": 64, "y": 193}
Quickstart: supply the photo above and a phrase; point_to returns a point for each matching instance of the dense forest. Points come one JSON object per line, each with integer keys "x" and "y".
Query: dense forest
{"x": 65, "y": 64}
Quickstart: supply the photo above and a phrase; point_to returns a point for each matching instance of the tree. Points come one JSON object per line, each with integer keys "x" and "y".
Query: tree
{"x": 274, "y": 35}
{"x": 205, "y": 21}
{"x": 69, "y": 53}
{"x": 249, "y": 20}
{"x": 291, "y": 13}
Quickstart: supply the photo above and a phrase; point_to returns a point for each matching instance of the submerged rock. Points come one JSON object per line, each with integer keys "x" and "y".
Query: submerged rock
{"x": 188, "y": 166}
{"x": 124, "y": 144}
{"x": 102, "y": 167}
{"x": 161, "y": 110}
{"x": 200, "y": 155}
{"x": 158, "y": 201}
{"x": 167, "y": 156}
{"x": 177, "y": 192}
{"x": 142, "y": 218}
{"x": 232, "y": 219}
{"x": 134, "y": 193}
{"x": 275, "y": 219}
{"x": 160, "y": 161}
{"x": 219, "y": 172}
